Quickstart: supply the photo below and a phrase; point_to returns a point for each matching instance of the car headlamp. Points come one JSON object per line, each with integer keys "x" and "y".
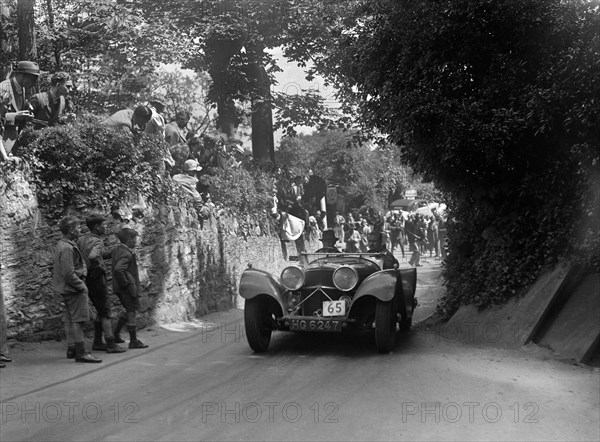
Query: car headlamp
{"x": 292, "y": 277}
{"x": 345, "y": 278}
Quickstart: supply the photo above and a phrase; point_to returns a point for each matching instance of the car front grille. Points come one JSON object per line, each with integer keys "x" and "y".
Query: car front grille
{"x": 313, "y": 298}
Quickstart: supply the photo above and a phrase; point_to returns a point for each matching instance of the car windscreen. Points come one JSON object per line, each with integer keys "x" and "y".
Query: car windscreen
{"x": 326, "y": 259}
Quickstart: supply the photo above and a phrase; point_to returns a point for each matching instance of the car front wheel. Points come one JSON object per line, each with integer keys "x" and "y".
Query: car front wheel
{"x": 385, "y": 325}
{"x": 257, "y": 324}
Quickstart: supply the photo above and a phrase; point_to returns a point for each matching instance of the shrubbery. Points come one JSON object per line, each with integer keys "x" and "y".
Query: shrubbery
{"x": 499, "y": 246}
{"x": 90, "y": 166}
{"x": 243, "y": 191}
{"x": 87, "y": 165}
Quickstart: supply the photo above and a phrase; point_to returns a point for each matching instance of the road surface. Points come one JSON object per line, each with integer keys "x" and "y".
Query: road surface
{"x": 202, "y": 382}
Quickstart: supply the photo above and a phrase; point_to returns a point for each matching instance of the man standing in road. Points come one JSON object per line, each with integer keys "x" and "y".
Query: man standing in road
{"x": 91, "y": 246}
{"x": 68, "y": 281}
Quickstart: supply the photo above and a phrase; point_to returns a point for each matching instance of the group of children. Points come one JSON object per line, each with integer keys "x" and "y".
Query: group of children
{"x": 80, "y": 274}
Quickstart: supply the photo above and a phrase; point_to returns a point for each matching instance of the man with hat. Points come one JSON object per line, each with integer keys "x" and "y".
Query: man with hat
{"x": 188, "y": 180}
{"x": 329, "y": 240}
{"x": 93, "y": 253}
{"x": 14, "y": 93}
{"x": 53, "y": 107}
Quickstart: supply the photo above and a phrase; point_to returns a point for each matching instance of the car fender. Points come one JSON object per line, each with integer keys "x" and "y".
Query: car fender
{"x": 408, "y": 287}
{"x": 381, "y": 285}
{"x": 256, "y": 282}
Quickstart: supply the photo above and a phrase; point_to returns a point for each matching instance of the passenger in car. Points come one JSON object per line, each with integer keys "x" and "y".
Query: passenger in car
{"x": 376, "y": 246}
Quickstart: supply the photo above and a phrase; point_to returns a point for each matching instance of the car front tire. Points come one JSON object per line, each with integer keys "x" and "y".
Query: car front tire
{"x": 257, "y": 324}
{"x": 385, "y": 325}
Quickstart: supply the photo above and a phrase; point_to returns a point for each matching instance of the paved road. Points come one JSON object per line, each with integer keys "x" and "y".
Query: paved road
{"x": 206, "y": 384}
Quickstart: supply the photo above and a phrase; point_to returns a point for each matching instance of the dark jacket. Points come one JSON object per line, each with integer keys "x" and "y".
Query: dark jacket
{"x": 126, "y": 278}
{"x": 388, "y": 258}
{"x": 46, "y": 109}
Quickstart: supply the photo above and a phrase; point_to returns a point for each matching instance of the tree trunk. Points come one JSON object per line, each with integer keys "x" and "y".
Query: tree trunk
{"x": 26, "y": 26}
{"x": 50, "y": 11}
{"x": 220, "y": 53}
{"x": 263, "y": 146}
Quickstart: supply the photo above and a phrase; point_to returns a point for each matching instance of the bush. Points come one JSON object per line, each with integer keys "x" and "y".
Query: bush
{"x": 88, "y": 165}
{"x": 243, "y": 191}
{"x": 500, "y": 245}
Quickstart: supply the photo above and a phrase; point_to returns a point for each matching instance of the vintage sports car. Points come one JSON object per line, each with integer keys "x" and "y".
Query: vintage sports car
{"x": 329, "y": 292}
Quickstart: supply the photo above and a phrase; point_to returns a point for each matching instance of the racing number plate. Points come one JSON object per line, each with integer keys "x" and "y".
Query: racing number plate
{"x": 317, "y": 325}
{"x": 334, "y": 308}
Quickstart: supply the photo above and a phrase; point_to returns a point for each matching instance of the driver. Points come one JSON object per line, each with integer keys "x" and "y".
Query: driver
{"x": 329, "y": 239}
{"x": 376, "y": 246}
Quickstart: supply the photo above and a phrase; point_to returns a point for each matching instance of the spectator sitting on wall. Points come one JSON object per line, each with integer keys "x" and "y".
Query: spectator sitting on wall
{"x": 176, "y": 131}
{"x": 54, "y": 106}
{"x": 188, "y": 180}
{"x": 156, "y": 125}
{"x": 176, "y": 138}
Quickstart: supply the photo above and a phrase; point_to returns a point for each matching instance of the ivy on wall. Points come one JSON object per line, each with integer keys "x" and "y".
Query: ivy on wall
{"x": 88, "y": 165}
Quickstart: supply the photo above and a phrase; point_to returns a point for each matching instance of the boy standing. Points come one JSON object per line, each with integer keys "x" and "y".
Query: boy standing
{"x": 68, "y": 281}
{"x": 93, "y": 252}
{"x": 126, "y": 284}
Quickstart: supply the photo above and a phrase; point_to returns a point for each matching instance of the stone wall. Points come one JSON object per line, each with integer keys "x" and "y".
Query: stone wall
{"x": 187, "y": 268}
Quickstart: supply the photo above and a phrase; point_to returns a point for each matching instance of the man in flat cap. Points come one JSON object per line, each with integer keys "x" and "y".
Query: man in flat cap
{"x": 93, "y": 252}
{"x": 14, "y": 93}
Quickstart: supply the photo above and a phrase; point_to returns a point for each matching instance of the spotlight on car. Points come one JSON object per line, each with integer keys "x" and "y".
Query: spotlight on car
{"x": 292, "y": 277}
{"x": 345, "y": 278}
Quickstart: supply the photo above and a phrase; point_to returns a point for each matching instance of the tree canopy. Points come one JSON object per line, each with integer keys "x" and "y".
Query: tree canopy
{"x": 494, "y": 101}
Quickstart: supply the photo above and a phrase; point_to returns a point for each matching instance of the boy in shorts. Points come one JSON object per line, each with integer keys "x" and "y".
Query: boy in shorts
{"x": 68, "y": 281}
{"x": 92, "y": 249}
{"x": 126, "y": 284}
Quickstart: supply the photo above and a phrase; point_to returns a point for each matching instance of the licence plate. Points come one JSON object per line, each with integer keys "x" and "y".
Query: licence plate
{"x": 317, "y": 325}
{"x": 334, "y": 308}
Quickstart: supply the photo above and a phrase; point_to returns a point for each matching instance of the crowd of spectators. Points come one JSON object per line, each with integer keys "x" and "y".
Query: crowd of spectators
{"x": 413, "y": 233}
